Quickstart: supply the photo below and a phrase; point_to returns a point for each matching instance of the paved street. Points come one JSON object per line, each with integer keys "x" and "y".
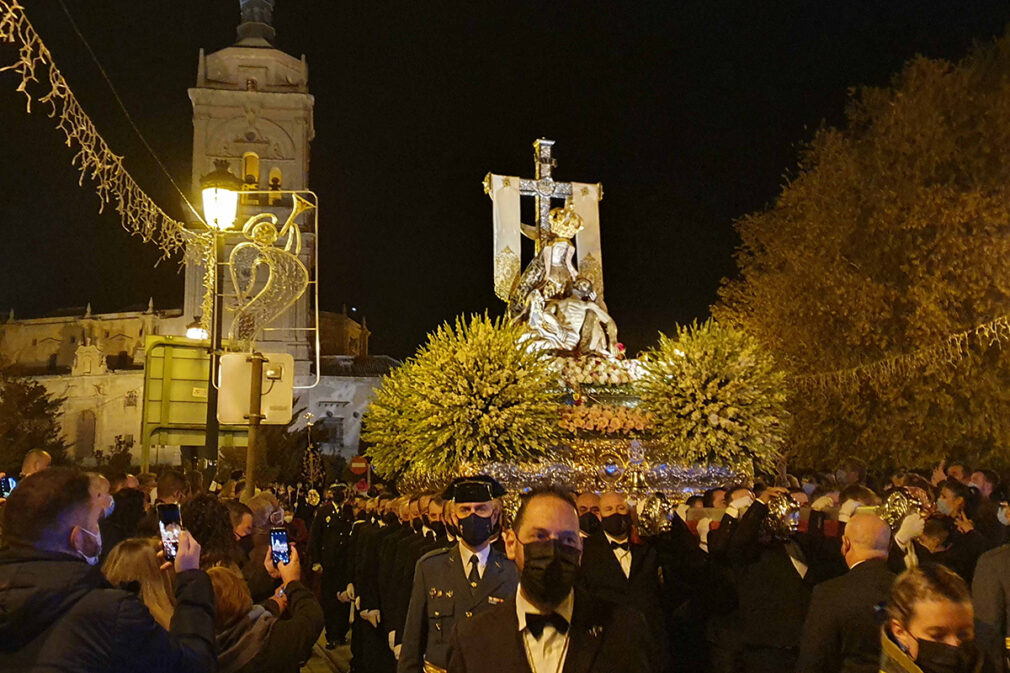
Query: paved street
{"x": 328, "y": 661}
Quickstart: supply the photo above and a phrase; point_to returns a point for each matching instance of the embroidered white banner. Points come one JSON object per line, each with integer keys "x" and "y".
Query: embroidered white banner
{"x": 505, "y": 215}
{"x": 588, "y": 247}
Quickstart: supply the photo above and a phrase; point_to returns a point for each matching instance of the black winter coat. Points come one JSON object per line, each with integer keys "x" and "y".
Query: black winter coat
{"x": 57, "y": 613}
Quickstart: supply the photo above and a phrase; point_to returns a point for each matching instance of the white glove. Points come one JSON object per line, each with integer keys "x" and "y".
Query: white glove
{"x": 392, "y": 641}
{"x": 343, "y": 597}
{"x": 373, "y": 617}
{"x": 847, "y": 509}
{"x": 738, "y": 506}
{"x": 911, "y": 528}
{"x": 703, "y": 528}
{"x": 682, "y": 512}
{"x": 317, "y": 567}
{"x": 396, "y": 651}
{"x": 357, "y": 602}
{"x": 350, "y": 591}
{"x": 823, "y": 504}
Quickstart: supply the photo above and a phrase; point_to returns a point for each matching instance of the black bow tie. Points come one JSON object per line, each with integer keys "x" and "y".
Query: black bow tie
{"x": 620, "y": 545}
{"x": 536, "y": 622}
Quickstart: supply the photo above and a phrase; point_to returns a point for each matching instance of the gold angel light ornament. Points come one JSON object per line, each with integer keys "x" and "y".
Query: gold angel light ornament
{"x": 286, "y": 276}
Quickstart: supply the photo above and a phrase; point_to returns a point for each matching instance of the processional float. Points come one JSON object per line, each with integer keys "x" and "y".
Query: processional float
{"x": 558, "y": 296}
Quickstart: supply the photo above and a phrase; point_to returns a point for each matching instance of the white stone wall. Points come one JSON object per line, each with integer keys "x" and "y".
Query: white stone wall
{"x": 339, "y": 397}
{"x": 115, "y": 398}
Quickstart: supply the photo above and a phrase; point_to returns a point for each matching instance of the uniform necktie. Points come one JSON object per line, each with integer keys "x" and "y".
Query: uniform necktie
{"x": 536, "y": 622}
{"x": 620, "y": 545}
{"x": 474, "y": 575}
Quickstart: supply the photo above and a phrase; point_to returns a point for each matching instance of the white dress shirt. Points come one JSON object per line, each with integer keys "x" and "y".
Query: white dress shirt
{"x": 466, "y": 555}
{"x": 546, "y": 654}
{"x": 623, "y": 555}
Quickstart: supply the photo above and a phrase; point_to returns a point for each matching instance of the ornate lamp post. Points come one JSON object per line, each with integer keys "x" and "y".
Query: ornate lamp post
{"x": 220, "y": 208}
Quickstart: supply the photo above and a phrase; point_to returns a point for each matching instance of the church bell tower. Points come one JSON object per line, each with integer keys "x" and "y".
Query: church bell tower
{"x": 252, "y": 108}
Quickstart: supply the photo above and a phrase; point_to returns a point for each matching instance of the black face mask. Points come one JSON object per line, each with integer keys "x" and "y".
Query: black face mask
{"x": 451, "y": 529}
{"x": 416, "y": 525}
{"x": 589, "y": 523}
{"x": 617, "y": 525}
{"x": 438, "y": 527}
{"x": 549, "y": 571}
{"x": 426, "y": 520}
{"x": 475, "y": 530}
{"x": 390, "y": 519}
{"x": 943, "y": 658}
{"x": 245, "y": 543}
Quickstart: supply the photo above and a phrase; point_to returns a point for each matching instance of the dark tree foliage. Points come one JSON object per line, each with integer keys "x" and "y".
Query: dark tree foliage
{"x": 893, "y": 234}
{"x": 29, "y": 419}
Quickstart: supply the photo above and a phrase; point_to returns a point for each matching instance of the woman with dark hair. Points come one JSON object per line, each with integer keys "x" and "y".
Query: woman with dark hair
{"x": 957, "y": 500}
{"x": 209, "y": 522}
{"x": 931, "y": 625}
{"x": 123, "y": 521}
{"x": 962, "y": 546}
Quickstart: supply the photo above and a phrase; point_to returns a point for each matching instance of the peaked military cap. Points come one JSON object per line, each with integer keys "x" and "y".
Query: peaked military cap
{"x": 474, "y": 489}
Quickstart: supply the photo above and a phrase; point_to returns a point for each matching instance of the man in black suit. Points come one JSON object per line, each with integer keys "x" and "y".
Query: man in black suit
{"x": 621, "y": 571}
{"x": 990, "y": 589}
{"x": 422, "y": 540}
{"x": 375, "y": 654}
{"x": 548, "y": 625}
{"x": 329, "y": 539}
{"x": 389, "y": 590}
{"x": 774, "y": 576}
{"x": 842, "y": 629}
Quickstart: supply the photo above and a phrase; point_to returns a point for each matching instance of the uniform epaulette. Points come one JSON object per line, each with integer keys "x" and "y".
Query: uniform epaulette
{"x": 433, "y": 554}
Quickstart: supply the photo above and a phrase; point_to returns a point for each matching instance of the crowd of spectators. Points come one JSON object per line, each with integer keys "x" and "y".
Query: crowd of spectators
{"x": 84, "y": 585}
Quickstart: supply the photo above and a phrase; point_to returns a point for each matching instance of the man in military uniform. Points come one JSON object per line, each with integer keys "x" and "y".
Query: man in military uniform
{"x": 330, "y": 537}
{"x": 452, "y": 585}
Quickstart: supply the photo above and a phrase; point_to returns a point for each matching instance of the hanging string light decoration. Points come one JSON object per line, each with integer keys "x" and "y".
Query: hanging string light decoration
{"x": 138, "y": 213}
{"x": 948, "y": 352}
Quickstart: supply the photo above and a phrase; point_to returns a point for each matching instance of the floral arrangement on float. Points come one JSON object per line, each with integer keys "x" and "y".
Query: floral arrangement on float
{"x": 717, "y": 397}
{"x": 471, "y": 395}
{"x": 605, "y": 419}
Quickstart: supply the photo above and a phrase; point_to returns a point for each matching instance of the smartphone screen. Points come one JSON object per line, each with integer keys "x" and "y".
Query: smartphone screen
{"x": 7, "y": 485}
{"x": 170, "y": 523}
{"x": 279, "y": 549}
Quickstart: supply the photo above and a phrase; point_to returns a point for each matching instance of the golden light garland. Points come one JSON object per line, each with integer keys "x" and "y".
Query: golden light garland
{"x": 951, "y": 351}
{"x": 139, "y": 214}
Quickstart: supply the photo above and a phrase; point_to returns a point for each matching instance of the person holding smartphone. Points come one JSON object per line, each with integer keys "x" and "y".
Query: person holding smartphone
{"x": 60, "y": 613}
{"x": 250, "y": 637}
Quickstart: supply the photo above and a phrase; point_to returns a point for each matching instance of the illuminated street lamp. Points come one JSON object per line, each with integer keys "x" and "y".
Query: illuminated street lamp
{"x": 220, "y": 208}
{"x": 220, "y": 196}
{"x": 195, "y": 330}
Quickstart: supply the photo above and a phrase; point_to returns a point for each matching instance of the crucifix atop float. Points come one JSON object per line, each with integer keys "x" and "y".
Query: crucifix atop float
{"x": 559, "y": 295}
{"x": 506, "y": 193}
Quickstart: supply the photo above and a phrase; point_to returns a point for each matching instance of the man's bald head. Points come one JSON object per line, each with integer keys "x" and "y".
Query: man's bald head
{"x": 35, "y": 460}
{"x": 867, "y": 536}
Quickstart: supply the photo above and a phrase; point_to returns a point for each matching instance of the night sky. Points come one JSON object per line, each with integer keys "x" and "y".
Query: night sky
{"x": 688, "y": 111}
